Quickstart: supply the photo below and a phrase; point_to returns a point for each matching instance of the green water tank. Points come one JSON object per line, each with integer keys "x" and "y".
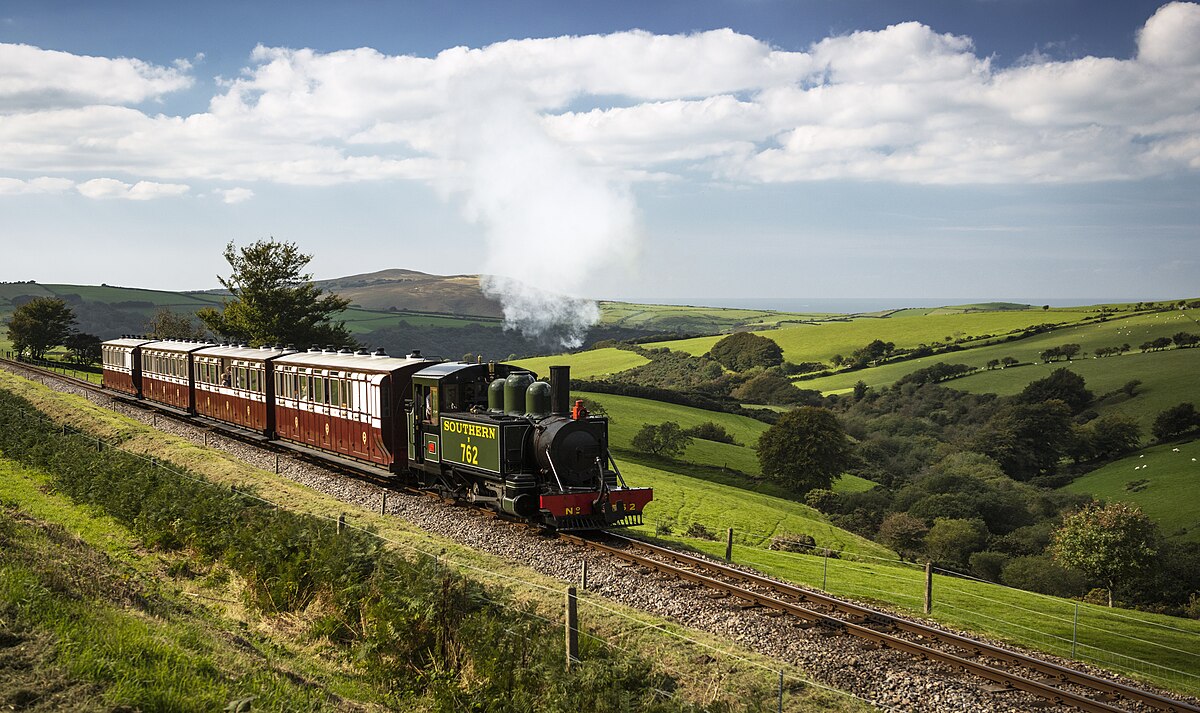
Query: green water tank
{"x": 514, "y": 392}
{"x": 496, "y": 396}
{"x": 537, "y": 400}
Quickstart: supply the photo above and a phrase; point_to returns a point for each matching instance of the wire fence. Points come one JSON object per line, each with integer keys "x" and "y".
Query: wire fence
{"x": 1120, "y": 640}
{"x": 729, "y": 660}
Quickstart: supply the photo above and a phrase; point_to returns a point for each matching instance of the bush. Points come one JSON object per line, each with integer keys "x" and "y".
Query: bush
{"x": 699, "y": 531}
{"x": 988, "y": 565}
{"x": 1040, "y": 574}
{"x": 742, "y": 350}
{"x": 710, "y": 431}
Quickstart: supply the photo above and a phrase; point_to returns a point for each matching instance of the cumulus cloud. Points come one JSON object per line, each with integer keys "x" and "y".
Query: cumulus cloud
{"x": 43, "y": 184}
{"x": 104, "y": 188}
{"x": 543, "y": 137}
{"x": 31, "y": 78}
{"x": 234, "y": 195}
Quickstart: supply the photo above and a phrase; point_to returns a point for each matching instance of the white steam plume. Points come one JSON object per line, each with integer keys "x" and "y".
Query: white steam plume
{"x": 552, "y": 223}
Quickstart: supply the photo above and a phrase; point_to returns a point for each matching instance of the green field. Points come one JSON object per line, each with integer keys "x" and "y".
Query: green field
{"x": 820, "y": 341}
{"x": 695, "y": 319}
{"x": 585, "y": 365}
{"x": 755, "y": 518}
{"x": 1168, "y": 494}
{"x": 628, "y": 414}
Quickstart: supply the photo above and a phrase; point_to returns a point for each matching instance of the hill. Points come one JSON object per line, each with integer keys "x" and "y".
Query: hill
{"x": 412, "y": 291}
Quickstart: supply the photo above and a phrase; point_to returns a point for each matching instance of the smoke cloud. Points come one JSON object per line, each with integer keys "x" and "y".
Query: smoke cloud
{"x": 553, "y": 224}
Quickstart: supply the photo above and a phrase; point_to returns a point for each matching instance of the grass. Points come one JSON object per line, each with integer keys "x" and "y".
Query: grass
{"x": 112, "y": 626}
{"x": 694, "y": 319}
{"x": 586, "y": 365}
{"x": 680, "y": 501}
{"x": 820, "y": 341}
{"x": 705, "y": 665}
{"x": 628, "y": 414}
{"x": 1161, "y": 480}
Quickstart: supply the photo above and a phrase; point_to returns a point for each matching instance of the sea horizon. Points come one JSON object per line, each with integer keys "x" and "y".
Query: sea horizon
{"x": 855, "y": 305}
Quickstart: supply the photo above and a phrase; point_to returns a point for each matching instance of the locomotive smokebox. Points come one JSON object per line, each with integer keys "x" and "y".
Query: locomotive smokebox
{"x": 560, "y": 390}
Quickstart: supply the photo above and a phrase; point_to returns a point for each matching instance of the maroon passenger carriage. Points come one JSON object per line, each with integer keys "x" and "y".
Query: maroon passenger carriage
{"x": 121, "y": 360}
{"x": 350, "y": 404}
{"x": 236, "y": 385}
{"x": 166, "y": 368}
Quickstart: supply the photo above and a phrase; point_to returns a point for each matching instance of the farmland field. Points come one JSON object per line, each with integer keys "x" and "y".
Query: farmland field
{"x": 586, "y": 365}
{"x": 694, "y": 319}
{"x": 1161, "y": 480}
{"x": 820, "y": 341}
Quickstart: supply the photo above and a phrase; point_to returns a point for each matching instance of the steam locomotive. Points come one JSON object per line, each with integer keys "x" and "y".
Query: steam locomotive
{"x": 488, "y": 433}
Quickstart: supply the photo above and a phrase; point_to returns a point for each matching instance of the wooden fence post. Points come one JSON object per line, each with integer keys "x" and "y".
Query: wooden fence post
{"x": 928, "y": 587}
{"x": 572, "y": 631}
{"x": 383, "y": 503}
{"x": 583, "y": 575}
{"x": 729, "y": 545}
{"x": 341, "y": 526}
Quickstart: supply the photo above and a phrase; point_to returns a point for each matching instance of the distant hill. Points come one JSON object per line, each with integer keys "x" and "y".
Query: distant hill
{"x": 409, "y": 290}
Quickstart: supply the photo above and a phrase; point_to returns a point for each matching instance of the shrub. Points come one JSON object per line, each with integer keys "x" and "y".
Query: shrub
{"x": 699, "y": 531}
{"x": 1040, "y": 574}
{"x": 711, "y": 431}
{"x": 988, "y": 565}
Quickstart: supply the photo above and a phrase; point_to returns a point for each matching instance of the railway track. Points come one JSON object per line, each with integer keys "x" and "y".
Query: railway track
{"x": 1007, "y": 670}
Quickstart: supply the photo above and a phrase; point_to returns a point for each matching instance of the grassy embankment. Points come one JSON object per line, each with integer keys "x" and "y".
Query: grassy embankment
{"x": 704, "y": 670}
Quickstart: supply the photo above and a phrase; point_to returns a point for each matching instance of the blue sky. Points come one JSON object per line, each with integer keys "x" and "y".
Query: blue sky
{"x": 747, "y": 148}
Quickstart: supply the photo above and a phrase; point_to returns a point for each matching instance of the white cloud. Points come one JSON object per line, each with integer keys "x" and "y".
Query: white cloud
{"x": 43, "y": 184}
{"x": 234, "y": 195}
{"x": 104, "y": 188}
{"x": 33, "y": 78}
{"x": 904, "y": 103}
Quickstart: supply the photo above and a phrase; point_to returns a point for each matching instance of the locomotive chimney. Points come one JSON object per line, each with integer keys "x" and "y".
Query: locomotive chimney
{"x": 560, "y": 390}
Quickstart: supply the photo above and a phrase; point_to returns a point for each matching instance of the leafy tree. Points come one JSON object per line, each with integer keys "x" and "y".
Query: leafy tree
{"x": 807, "y": 448}
{"x": 903, "y": 533}
{"x": 742, "y": 350}
{"x": 1113, "y": 435}
{"x": 40, "y": 324}
{"x": 711, "y": 431}
{"x": 165, "y": 324}
{"x": 1038, "y": 573}
{"x": 1185, "y": 339}
{"x": 1026, "y": 439}
{"x": 274, "y": 300}
{"x": 83, "y": 348}
{"x": 1009, "y": 361}
{"x": 771, "y": 388}
{"x": 1175, "y": 421}
{"x": 988, "y": 565}
{"x": 1064, "y": 385}
{"x": 666, "y": 439}
{"x": 1110, "y": 543}
{"x": 952, "y": 540}
{"x": 993, "y": 364}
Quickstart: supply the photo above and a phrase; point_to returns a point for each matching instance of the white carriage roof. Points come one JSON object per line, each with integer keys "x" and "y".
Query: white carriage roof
{"x": 127, "y": 342}
{"x": 176, "y": 346}
{"x": 349, "y": 361}
{"x": 246, "y": 353}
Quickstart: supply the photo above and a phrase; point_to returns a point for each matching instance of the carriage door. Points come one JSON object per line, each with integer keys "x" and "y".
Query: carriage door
{"x": 415, "y": 452}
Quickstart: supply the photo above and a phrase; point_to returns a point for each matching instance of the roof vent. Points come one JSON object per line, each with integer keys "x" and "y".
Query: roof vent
{"x": 415, "y": 354}
{"x": 379, "y": 352}
{"x": 362, "y": 352}
{"x": 344, "y": 350}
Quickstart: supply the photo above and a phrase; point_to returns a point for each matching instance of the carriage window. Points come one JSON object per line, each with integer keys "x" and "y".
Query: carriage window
{"x": 319, "y": 389}
{"x": 304, "y": 387}
{"x": 335, "y": 392}
{"x": 254, "y": 380}
{"x": 385, "y": 399}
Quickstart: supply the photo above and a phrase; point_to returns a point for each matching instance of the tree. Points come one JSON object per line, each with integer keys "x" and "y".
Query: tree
{"x": 1175, "y": 421}
{"x": 83, "y": 348}
{"x": 1185, "y": 339}
{"x": 903, "y": 533}
{"x": 742, "y": 350}
{"x": 807, "y": 448}
{"x": 165, "y": 324}
{"x": 1027, "y": 440}
{"x": 1110, "y": 543}
{"x": 1009, "y": 361}
{"x": 1064, "y": 385}
{"x": 666, "y": 439}
{"x": 1113, "y": 435}
{"x": 274, "y": 300}
{"x": 40, "y": 324}
{"x": 952, "y": 540}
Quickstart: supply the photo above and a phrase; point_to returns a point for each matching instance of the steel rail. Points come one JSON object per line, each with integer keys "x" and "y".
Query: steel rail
{"x": 878, "y": 618}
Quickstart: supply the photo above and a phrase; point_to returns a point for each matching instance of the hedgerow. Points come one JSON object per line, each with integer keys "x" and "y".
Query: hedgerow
{"x": 416, "y": 628}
